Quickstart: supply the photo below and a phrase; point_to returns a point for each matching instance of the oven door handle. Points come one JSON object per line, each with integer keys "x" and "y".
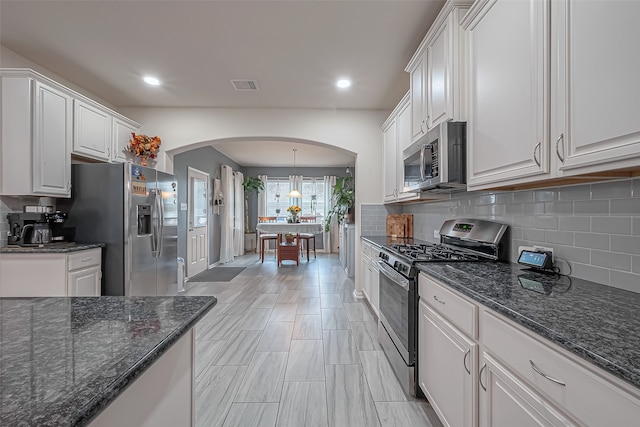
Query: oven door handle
{"x": 395, "y": 277}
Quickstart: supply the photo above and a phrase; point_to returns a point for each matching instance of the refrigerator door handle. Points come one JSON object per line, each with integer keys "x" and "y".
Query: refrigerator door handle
{"x": 154, "y": 227}
{"x": 159, "y": 198}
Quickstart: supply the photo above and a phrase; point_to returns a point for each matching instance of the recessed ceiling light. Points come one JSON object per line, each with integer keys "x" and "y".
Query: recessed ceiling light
{"x": 151, "y": 81}
{"x": 343, "y": 83}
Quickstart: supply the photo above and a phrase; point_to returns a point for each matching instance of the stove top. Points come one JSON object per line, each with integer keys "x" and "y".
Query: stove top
{"x": 432, "y": 252}
{"x": 460, "y": 240}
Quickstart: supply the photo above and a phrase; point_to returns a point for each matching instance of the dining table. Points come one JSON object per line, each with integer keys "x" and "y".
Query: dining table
{"x": 283, "y": 250}
{"x": 293, "y": 228}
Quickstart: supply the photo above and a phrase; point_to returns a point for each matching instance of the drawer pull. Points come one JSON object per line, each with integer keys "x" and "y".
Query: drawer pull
{"x": 535, "y": 368}
{"x": 480, "y": 377}
{"x": 86, "y": 259}
{"x": 440, "y": 301}
{"x": 464, "y": 361}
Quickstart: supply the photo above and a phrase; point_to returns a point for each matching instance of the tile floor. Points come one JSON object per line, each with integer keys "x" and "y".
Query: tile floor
{"x": 291, "y": 346}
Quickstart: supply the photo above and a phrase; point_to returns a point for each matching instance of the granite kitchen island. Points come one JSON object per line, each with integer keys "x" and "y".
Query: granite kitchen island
{"x": 98, "y": 360}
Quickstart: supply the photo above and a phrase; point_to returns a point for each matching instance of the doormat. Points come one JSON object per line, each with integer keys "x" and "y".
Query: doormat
{"x": 217, "y": 274}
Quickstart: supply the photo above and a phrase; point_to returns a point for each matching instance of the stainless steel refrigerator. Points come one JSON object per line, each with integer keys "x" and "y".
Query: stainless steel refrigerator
{"x": 133, "y": 210}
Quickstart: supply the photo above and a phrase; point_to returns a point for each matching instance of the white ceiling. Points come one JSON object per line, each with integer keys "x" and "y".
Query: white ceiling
{"x": 294, "y": 49}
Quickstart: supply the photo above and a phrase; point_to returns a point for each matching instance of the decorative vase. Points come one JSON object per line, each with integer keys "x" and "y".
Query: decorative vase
{"x": 294, "y": 218}
{"x": 141, "y": 160}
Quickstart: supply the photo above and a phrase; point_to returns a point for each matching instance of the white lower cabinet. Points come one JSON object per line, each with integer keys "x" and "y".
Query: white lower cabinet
{"x": 506, "y": 401}
{"x": 506, "y": 375}
{"x": 371, "y": 278}
{"x": 51, "y": 274}
{"x": 447, "y": 369}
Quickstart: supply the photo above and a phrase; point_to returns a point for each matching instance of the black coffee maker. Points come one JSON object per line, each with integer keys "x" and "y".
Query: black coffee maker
{"x": 35, "y": 228}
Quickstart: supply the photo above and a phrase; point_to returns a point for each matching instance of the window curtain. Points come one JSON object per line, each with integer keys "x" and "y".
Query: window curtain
{"x": 330, "y": 239}
{"x": 295, "y": 182}
{"x": 226, "y": 215}
{"x": 238, "y": 215}
{"x": 262, "y": 197}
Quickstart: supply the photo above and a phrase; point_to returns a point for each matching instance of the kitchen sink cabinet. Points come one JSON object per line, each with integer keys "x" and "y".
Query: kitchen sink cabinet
{"x": 437, "y": 72}
{"x": 92, "y": 130}
{"x": 36, "y": 135}
{"x": 51, "y": 274}
{"x": 533, "y": 95}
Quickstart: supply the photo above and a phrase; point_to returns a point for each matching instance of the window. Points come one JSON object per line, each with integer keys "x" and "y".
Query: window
{"x": 312, "y": 197}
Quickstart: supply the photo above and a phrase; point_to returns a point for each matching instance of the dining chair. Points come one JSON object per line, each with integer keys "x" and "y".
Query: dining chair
{"x": 308, "y": 237}
{"x": 266, "y": 237}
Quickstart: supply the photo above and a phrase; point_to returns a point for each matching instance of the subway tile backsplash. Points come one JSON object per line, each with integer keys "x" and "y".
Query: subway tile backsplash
{"x": 595, "y": 227}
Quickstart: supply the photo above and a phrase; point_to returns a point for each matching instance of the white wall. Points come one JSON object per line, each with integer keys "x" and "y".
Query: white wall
{"x": 355, "y": 131}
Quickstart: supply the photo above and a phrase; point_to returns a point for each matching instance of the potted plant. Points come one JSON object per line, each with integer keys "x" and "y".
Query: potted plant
{"x": 344, "y": 196}
{"x": 250, "y": 184}
{"x": 288, "y": 237}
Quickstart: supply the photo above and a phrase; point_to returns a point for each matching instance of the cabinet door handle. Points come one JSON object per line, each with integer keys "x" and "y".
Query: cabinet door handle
{"x": 560, "y": 138}
{"x": 535, "y": 151}
{"x": 440, "y": 301}
{"x": 464, "y": 361}
{"x": 480, "y": 377}
{"x": 535, "y": 368}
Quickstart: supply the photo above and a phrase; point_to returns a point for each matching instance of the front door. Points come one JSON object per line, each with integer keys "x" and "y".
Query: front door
{"x": 198, "y": 224}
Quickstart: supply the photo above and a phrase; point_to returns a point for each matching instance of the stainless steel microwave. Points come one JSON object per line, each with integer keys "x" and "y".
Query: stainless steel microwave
{"x": 437, "y": 162}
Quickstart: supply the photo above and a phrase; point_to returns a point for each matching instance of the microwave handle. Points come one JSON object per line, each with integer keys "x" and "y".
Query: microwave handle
{"x": 423, "y": 163}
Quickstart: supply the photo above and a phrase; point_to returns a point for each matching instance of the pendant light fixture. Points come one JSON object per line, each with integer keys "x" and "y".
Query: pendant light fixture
{"x": 294, "y": 194}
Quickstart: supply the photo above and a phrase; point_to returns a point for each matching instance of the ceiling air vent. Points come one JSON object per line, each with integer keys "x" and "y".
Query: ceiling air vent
{"x": 245, "y": 84}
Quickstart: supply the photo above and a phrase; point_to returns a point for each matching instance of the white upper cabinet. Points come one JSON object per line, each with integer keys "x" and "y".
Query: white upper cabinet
{"x": 596, "y": 81}
{"x": 507, "y": 136}
{"x": 389, "y": 132}
{"x": 397, "y": 136}
{"x": 417, "y": 71}
{"x": 522, "y": 51}
{"x": 437, "y": 72}
{"x": 36, "y": 136}
{"x": 92, "y": 130}
{"x": 122, "y": 130}
{"x": 51, "y": 140}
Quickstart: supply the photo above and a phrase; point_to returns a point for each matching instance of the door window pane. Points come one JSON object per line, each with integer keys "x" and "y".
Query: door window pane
{"x": 199, "y": 202}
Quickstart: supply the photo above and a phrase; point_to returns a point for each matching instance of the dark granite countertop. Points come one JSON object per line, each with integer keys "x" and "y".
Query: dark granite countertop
{"x": 63, "y": 360}
{"x": 51, "y": 248}
{"x": 596, "y": 322}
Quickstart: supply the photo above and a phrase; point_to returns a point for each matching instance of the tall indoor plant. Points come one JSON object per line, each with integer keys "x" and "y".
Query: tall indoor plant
{"x": 344, "y": 197}
{"x": 250, "y": 184}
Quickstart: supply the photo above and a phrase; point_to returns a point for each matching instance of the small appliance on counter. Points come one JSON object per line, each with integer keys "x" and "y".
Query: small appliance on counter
{"x": 35, "y": 228}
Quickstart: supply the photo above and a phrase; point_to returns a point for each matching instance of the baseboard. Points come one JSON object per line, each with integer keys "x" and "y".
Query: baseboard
{"x": 357, "y": 294}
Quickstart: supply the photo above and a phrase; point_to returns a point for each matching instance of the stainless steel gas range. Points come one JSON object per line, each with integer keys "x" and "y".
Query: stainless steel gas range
{"x": 460, "y": 240}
